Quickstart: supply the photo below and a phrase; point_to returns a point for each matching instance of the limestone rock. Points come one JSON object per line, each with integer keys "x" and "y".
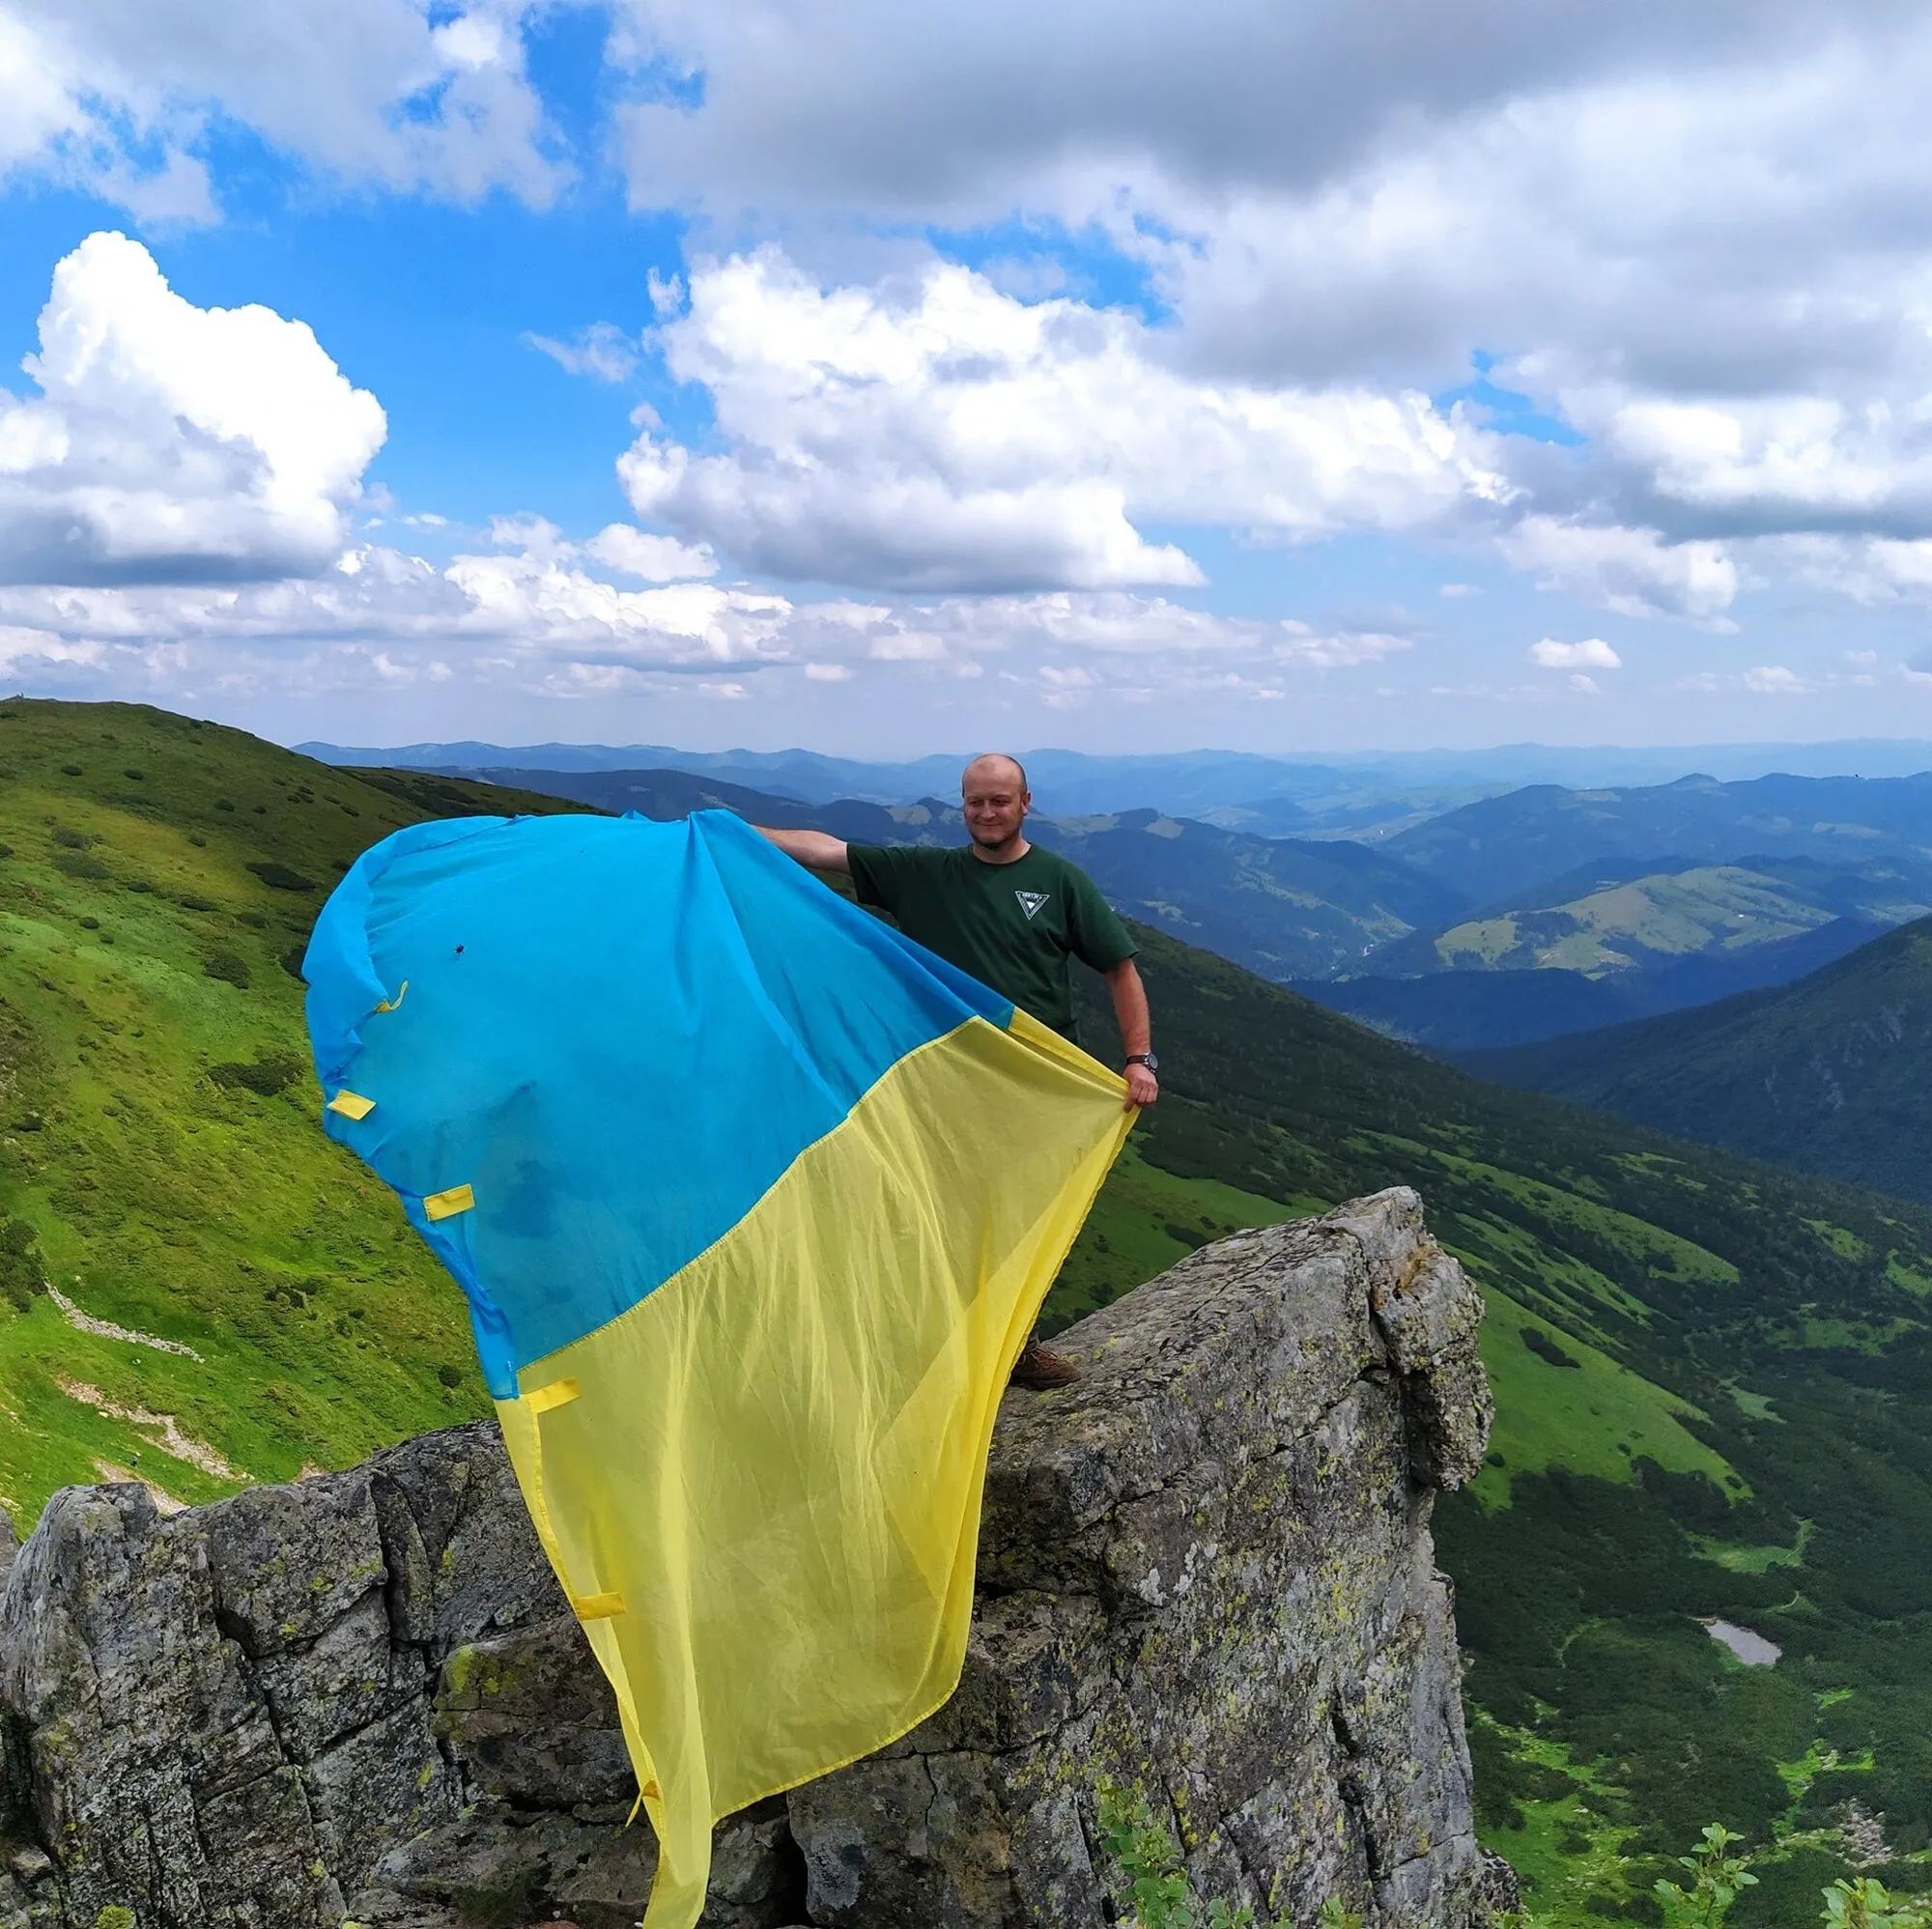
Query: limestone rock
{"x": 1205, "y": 1569}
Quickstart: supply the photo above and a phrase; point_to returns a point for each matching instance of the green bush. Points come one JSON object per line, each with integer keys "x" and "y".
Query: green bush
{"x": 23, "y": 1271}
{"x": 268, "y": 1075}
{"x": 279, "y": 877}
{"x": 228, "y": 968}
{"x": 1545, "y": 1348}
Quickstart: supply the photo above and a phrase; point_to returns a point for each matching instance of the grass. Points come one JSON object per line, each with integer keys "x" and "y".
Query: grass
{"x": 1597, "y": 1417}
{"x": 166, "y": 1197}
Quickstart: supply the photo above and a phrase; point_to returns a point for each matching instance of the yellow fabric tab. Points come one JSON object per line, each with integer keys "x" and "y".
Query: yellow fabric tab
{"x": 558, "y": 1392}
{"x": 801, "y": 1419}
{"x": 598, "y": 1606}
{"x": 395, "y": 1003}
{"x": 352, "y": 1104}
{"x": 447, "y": 1205}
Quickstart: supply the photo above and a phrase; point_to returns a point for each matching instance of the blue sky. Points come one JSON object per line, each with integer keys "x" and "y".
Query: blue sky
{"x": 889, "y": 380}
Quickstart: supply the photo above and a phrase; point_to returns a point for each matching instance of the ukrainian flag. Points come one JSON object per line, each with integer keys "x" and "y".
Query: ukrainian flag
{"x": 754, "y": 1201}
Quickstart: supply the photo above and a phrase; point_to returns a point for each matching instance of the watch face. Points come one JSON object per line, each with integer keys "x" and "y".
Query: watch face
{"x": 1148, "y": 1059}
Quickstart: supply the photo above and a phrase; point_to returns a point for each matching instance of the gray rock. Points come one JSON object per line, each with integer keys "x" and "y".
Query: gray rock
{"x": 1205, "y": 1570}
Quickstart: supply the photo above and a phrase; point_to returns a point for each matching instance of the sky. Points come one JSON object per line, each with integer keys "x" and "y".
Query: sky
{"x": 889, "y": 378}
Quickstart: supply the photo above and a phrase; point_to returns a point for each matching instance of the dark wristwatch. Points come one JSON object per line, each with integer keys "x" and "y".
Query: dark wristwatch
{"x": 1146, "y": 1058}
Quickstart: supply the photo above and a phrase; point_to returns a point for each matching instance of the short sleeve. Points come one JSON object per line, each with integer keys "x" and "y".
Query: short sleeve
{"x": 880, "y": 872}
{"x": 1097, "y": 936}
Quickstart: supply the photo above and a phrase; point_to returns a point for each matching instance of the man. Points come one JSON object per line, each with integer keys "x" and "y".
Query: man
{"x": 1010, "y": 914}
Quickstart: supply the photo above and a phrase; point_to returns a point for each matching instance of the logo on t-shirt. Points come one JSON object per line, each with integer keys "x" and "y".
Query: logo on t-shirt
{"x": 1031, "y": 901}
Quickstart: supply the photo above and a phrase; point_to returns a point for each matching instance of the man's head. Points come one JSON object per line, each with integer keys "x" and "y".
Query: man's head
{"x": 993, "y": 791}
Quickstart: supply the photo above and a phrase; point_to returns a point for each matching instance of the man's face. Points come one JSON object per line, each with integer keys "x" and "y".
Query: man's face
{"x": 994, "y": 802}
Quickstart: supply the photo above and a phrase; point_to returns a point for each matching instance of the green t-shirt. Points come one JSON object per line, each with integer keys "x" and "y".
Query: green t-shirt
{"x": 1010, "y": 926}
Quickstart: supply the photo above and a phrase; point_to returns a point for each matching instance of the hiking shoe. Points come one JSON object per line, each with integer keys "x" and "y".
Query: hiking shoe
{"x": 1043, "y": 1369}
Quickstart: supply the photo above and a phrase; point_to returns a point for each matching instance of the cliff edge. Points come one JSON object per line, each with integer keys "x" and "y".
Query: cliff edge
{"x": 1205, "y": 1569}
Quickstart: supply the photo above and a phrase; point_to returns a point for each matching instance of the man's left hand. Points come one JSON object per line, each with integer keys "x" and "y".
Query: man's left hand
{"x": 1143, "y": 1088}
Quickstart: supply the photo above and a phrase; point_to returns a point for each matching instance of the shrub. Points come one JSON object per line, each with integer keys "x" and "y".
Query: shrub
{"x": 224, "y": 803}
{"x": 228, "y": 968}
{"x": 290, "y": 961}
{"x": 73, "y": 840}
{"x": 23, "y": 1270}
{"x": 69, "y": 770}
{"x": 1545, "y": 1348}
{"x": 279, "y": 877}
{"x": 78, "y": 863}
{"x": 138, "y": 776}
{"x": 275, "y": 1072}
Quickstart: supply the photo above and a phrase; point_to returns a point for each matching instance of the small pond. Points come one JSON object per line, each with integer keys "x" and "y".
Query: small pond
{"x": 1753, "y": 1649}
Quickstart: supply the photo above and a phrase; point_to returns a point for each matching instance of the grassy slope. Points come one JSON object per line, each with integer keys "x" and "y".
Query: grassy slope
{"x": 1755, "y": 1352}
{"x": 1827, "y": 1073}
{"x": 214, "y": 1216}
{"x": 1505, "y": 845}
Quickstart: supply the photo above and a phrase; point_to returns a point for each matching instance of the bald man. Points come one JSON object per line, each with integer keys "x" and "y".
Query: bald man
{"x": 1010, "y": 914}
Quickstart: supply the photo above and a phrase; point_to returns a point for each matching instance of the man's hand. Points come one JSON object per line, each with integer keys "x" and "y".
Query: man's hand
{"x": 1143, "y": 1088}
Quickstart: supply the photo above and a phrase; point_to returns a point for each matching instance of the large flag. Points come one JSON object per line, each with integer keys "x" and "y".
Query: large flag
{"x": 754, "y": 1201}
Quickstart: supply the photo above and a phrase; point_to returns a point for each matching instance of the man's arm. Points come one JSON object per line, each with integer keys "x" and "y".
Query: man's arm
{"x": 1131, "y": 1013}
{"x": 819, "y": 849}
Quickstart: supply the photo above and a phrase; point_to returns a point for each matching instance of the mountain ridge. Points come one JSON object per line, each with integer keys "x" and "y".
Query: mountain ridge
{"x": 1825, "y": 1073}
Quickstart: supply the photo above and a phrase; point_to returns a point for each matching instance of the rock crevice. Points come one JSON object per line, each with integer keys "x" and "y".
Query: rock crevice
{"x": 1205, "y": 1570}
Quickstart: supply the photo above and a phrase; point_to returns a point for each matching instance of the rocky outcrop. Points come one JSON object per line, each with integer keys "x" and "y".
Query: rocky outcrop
{"x": 1205, "y": 1570}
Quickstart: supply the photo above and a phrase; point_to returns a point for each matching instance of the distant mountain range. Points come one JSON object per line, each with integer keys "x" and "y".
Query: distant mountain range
{"x": 1501, "y": 848}
{"x": 1283, "y": 907}
{"x": 1373, "y": 793}
{"x": 1409, "y": 933}
{"x": 1828, "y": 1074}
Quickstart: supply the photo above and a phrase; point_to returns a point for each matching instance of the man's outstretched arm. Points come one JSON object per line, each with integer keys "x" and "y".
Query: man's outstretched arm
{"x": 1131, "y": 1013}
{"x": 819, "y": 849}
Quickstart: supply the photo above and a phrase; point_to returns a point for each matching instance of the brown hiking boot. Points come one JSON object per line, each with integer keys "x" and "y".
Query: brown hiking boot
{"x": 1043, "y": 1369}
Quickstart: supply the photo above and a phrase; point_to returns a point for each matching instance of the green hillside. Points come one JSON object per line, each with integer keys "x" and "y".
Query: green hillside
{"x": 1714, "y": 1375}
{"x": 1714, "y": 1392}
{"x": 1626, "y": 924}
{"x": 1500, "y": 846}
{"x": 160, "y": 1160}
{"x": 1828, "y": 1074}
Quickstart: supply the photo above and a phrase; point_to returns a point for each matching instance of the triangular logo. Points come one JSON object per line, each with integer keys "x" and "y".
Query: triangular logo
{"x": 1031, "y": 901}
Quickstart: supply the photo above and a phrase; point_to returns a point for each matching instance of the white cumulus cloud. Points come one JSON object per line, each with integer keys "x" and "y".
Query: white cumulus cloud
{"x": 1593, "y": 653}
{"x": 938, "y": 434}
{"x": 171, "y": 441}
{"x": 1635, "y": 572}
